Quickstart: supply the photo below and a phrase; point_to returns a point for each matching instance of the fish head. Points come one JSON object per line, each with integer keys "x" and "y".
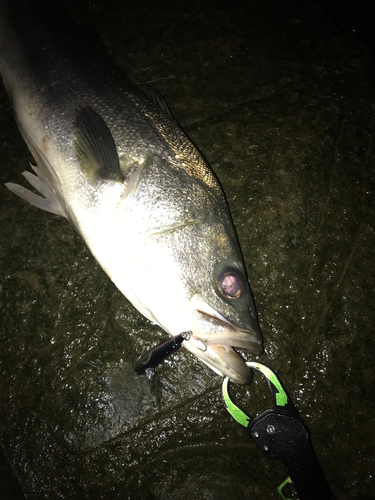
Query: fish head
{"x": 195, "y": 280}
{"x": 222, "y": 310}
{"x": 190, "y": 274}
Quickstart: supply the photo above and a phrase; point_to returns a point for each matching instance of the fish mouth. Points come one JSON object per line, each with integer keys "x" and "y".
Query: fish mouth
{"x": 212, "y": 331}
{"x": 213, "y": 340}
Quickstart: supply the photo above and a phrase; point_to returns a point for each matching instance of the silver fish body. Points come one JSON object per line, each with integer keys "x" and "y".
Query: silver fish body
{"x": 134, "y": 186}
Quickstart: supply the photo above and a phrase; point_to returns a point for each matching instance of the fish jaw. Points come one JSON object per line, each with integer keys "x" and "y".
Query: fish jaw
{"x": 213, "y": 338}
{"x": 213, "y": 330}
{"x": 222, "y": 359}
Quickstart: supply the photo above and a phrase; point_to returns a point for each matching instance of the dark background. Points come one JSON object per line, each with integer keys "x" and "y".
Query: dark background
{"x": 279, "y": 97}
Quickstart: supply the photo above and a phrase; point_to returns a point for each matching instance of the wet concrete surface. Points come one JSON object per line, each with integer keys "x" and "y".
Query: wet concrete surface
{"x": 280, "y": 101}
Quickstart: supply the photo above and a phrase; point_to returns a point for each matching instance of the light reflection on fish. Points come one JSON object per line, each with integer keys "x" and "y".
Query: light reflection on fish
{"x": 140, "y": 194}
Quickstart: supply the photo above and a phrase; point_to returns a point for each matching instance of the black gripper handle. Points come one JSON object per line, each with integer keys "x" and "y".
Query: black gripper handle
{"x": 284, "y": 437}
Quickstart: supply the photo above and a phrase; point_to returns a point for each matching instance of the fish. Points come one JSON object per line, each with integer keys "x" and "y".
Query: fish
{"x": 114, "y": 162}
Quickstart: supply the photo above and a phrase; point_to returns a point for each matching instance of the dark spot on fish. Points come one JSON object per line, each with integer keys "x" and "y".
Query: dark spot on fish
{"x": 45, "y": 144}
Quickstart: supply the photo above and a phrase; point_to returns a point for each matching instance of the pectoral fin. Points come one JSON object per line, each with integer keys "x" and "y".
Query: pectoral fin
{"x": 95, "y": 147}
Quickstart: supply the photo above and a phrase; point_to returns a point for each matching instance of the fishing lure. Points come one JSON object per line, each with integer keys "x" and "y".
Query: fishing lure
{"x": 149, "y": 360}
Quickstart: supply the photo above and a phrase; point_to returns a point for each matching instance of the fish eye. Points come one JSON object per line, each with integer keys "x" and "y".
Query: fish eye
{"x": 230, "y": 283}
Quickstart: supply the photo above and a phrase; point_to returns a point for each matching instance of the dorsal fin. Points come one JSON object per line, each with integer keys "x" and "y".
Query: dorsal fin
{"x": 95, "y": 146}
{"x": 159, "y": 99}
